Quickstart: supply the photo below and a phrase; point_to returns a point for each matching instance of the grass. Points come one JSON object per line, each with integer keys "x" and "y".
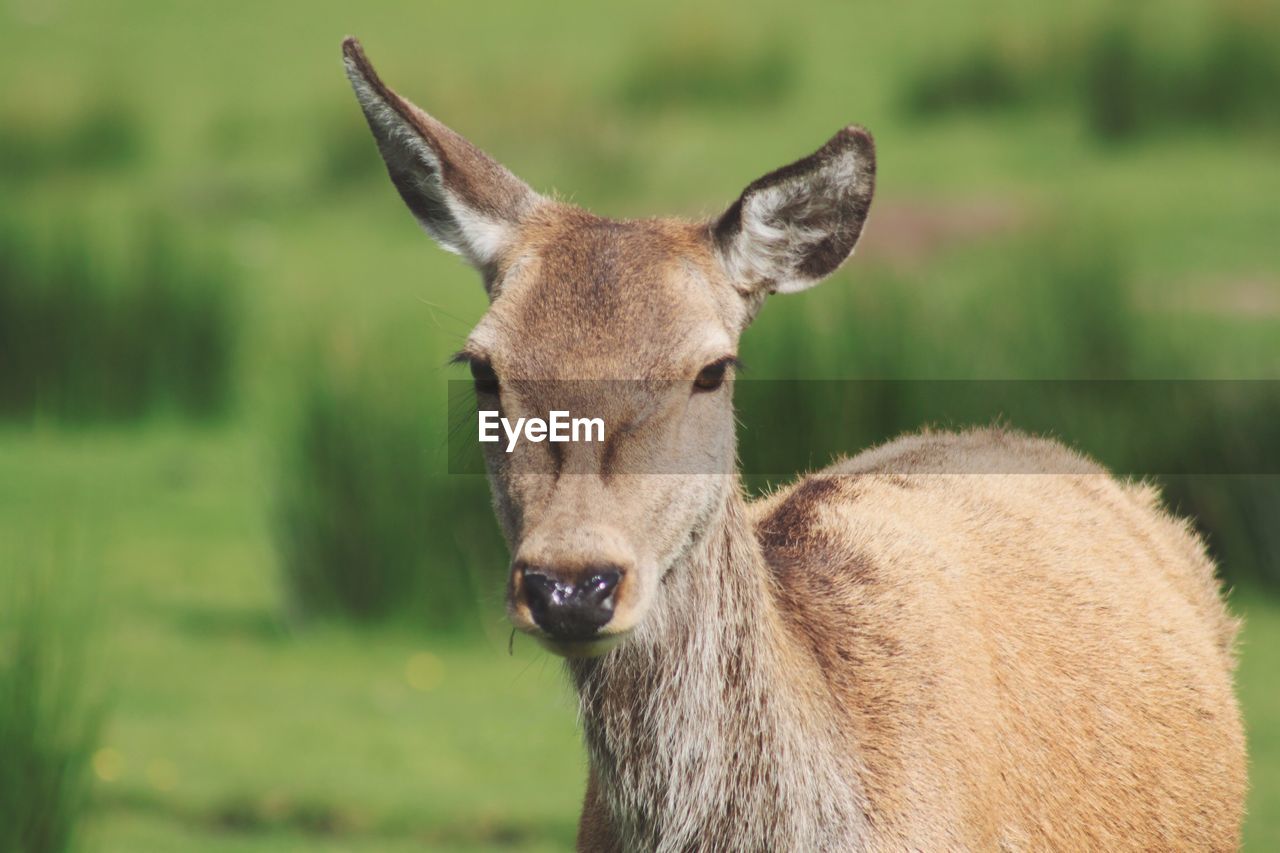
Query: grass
{"x": 49, "y": 722}
{"x": 233, "y": 731}
{"x": 236, "y": 727}
{"x": 231, "y": 728}
{"x": 1261, "y": 702}
{"x": 105, "y": 136}
{"x": 86, "y": 335}
{"x": 367, "y": 527}
{"x": 1122, "y": 73}
{"x": 693, "y": 65}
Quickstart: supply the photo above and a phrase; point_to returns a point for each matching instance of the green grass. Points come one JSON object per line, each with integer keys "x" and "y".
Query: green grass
{"x": 50, "y": 719}
{"x": 86, "y": 335}
{"x": 367, "y": 527}
{"x": 235, "y": 727}
{"x": 1259, "y": 662}
{"x": 1125, "y": 73}
{"x": 231, "y": 731}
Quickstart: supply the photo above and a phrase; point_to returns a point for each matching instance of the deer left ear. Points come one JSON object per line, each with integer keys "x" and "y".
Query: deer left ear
{"x": 793, "y": 227}
{"x": 464, "y": 198}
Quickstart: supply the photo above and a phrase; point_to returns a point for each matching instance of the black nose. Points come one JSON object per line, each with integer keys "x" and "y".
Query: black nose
{"x": 571, "y": 609}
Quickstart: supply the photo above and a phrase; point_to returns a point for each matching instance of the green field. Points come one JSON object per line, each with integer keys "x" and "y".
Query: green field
{"x": 235, "y": 725}
{"x": 230, "y": 732}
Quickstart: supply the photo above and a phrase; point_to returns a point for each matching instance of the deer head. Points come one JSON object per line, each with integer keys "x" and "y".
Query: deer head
{"x": 634, "y": 321}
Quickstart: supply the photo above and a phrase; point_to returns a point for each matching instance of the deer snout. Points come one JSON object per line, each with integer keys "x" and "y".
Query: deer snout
{"x": 569, "y": 606}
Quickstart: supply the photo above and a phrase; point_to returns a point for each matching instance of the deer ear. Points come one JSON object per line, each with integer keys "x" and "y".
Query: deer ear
{"x": 793, "y": 227}
{"x": 464, "y": 199}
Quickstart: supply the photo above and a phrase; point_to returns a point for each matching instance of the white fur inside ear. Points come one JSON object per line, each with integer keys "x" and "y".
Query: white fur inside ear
{"x": 781, "y": 225}
{"x": 770, "y": 248}
{"x": 485, "y": 237}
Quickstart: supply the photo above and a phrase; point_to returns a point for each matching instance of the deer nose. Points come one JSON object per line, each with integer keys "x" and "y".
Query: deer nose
{"x": 570, "y": 609}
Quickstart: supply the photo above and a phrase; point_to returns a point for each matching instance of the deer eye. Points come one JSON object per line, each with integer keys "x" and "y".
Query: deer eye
{"x": 486, "y": 379}
{"x": 711, "y": 377}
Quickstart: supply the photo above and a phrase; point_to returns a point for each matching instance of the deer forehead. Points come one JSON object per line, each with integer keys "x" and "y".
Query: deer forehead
{"x": 586, "y": 296}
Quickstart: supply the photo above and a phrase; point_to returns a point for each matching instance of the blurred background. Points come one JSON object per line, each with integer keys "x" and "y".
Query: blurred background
{"x": 243, "y": 606}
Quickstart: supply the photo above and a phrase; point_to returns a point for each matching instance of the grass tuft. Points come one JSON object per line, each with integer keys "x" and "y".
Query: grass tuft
{"x": 369, "y": 527}
{"x": 49, "y": 723}
{"x": 106, "y": 137}
{"x": 985, "y": 77}
{"x": 85, "y": 337}
{"x": 1123, "y": 75}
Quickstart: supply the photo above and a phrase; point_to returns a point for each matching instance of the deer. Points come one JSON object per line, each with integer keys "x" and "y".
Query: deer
{"x": 972, "y": 640}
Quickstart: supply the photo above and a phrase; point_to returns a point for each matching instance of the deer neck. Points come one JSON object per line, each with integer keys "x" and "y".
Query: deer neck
{"x": 708, "y": 723}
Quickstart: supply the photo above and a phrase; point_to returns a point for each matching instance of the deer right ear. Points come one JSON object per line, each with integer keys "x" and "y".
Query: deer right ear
{"x": 464, "y": 199}
{"x": 795, "y": 226}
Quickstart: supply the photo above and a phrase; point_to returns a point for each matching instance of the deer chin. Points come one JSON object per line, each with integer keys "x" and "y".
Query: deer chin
{"x": 592, "y": 647}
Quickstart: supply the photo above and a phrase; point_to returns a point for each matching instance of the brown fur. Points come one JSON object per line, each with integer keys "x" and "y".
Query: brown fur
{"x": 979, "y": 641}
{"x": 1059, "y": 620}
